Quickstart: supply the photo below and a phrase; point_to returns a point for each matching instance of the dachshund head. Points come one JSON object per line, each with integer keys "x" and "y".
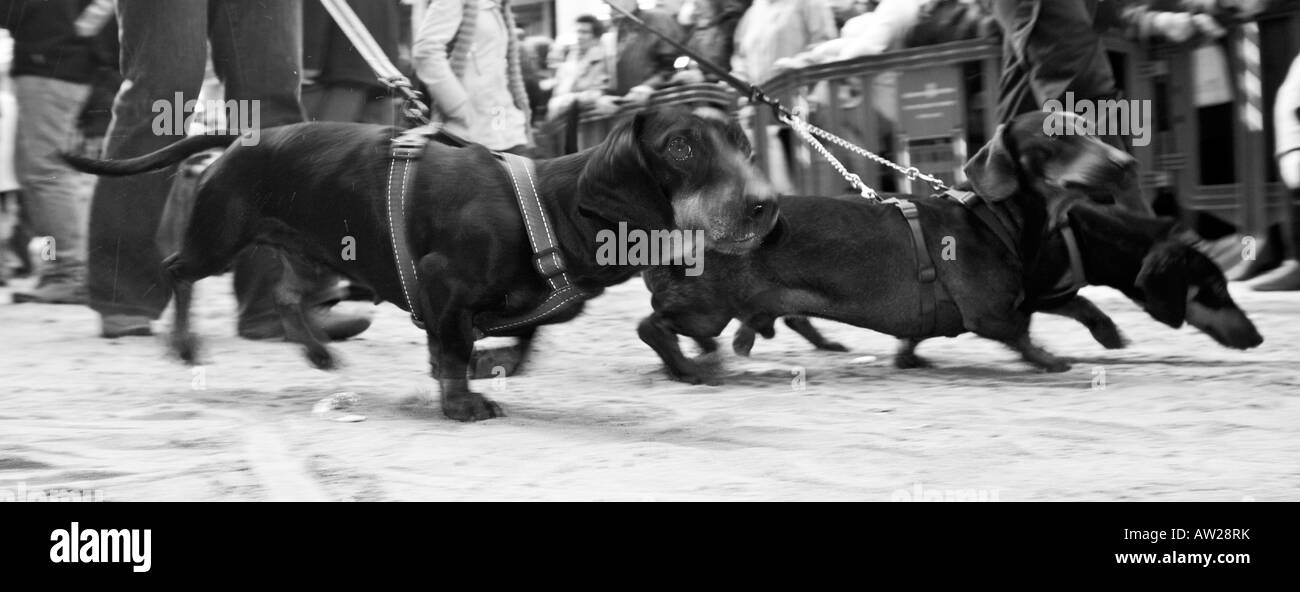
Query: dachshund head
{"x": 670, "y": 167}
{"x": 1179, "y": 283}
{"x": 1026, "y": 156}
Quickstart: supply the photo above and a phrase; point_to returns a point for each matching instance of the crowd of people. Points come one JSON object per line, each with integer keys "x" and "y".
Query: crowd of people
{"x": 86, "y": 75}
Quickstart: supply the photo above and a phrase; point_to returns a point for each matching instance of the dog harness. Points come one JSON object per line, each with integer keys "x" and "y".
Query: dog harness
{"x": 996, "y": 221}
{"x": 404, "y": 154}
{"x": 1073, "y": 279}
{"x": 925, "y": 271}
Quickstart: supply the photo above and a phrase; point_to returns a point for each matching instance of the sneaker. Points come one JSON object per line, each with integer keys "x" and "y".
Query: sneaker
{"x": 336, "y": 324}
{"x": 66, "y": 285}
{"x": 1284, "y": 278}
{"x": 113, "y": 326}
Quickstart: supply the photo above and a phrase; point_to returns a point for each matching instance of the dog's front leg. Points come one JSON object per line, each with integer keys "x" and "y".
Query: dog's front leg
{"x": 290, "y": 302}
{"x": 803, "y": 326}
{"x": 906, "y": 358}
{"x": 658, "y": 333}
{"x": 1101, "y": 326}
{"x": 451, "y": 343}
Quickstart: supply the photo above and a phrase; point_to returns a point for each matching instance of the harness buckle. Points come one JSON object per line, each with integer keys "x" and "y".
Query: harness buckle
{"x": 927, "y": 275}
{"x": 408, "y": 146}
{"x": 549, "y": 262}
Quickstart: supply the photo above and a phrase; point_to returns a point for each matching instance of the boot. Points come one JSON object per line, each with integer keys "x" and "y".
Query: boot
{"x": 1268, "y": 255}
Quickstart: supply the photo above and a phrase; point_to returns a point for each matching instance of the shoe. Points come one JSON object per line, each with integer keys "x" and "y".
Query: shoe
{"x": 1268, "y": 255}
{"x": 336, "y": 324}
{"x": 113, "y": 326}
{"x": 1285, "y": 278}
{"x": 65, "y": 284}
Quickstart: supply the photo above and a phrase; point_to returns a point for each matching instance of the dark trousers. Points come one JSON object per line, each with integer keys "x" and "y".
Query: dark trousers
{"x": 256, "y": 50}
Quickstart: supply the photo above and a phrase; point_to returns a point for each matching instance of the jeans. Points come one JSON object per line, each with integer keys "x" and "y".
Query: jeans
{"x": 256, "y": 51}
{"x": 55, "y": 198}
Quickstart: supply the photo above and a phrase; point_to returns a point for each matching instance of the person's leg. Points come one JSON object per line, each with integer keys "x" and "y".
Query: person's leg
{"x": 257, "y": 53}
{"x": 1286, "y": 277}
{"x": 56, "y": 198}
{"x": 163, "y": 53}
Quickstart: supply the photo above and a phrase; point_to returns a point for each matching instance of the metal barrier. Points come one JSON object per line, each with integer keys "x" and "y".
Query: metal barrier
{"x": 924, "y": 107}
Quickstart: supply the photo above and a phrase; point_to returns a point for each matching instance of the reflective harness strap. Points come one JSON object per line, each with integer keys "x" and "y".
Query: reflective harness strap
{"x": 546, "y": 254}
{"x": 926, "y": 275}
{"x": 404, "y": 153}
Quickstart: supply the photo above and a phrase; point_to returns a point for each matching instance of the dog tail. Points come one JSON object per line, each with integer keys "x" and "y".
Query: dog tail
{"x": 152, "y": 161}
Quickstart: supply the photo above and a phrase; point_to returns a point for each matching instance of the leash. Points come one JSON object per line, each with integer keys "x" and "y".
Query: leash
{"x": 413, "y": 105}
{"x": 808, "y": 132}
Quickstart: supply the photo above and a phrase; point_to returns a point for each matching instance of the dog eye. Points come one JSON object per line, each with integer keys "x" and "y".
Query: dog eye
{"x": 679, "y": 149}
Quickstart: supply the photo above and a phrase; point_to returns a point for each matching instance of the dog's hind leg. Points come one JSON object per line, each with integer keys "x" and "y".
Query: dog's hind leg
{"x": 1101, "y": 326}
{"x": 1039, "y": 357}
{"x": 906, "y": 357}
{"x": 804, "y": 327}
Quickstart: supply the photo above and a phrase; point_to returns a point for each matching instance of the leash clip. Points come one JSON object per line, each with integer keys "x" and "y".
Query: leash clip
{"x": 408, "y": 146}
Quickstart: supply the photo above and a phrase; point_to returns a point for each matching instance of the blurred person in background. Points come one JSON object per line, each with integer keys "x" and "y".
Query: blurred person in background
{"x": 467, "y": 54}
{"x": 534, "y": 61}
{"x": 57, "y": 51}
{"x": 769, "y": 31}
{"x": 338, "y": 85}
{"x": 641, "y": 62}
{"x": 712, "y": 25}
{"x": 256, "y": 49}
{"x": 1286, "y": 125}
{"x": 583, "y": 76}
{"x": 1051, "y": 48}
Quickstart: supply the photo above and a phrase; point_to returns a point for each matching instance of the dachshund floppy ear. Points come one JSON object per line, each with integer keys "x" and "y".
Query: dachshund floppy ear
{"x": 616, "y": 184}
{"x": 1163, "y": 281}
{"x": 993, "y": 171}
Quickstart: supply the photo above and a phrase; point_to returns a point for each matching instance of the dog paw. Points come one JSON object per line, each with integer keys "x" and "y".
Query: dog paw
{"x": 834, "y": 346}
{"x": 321, "y": 358}
{"x": 186, "y": 347}
{"x": 910, "y": 361}
{"x": 1111, "y": 338}
{"x": 743, "y": 343}
{"x": 1054, "y": 366}
{"x": 471, "y": 407}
